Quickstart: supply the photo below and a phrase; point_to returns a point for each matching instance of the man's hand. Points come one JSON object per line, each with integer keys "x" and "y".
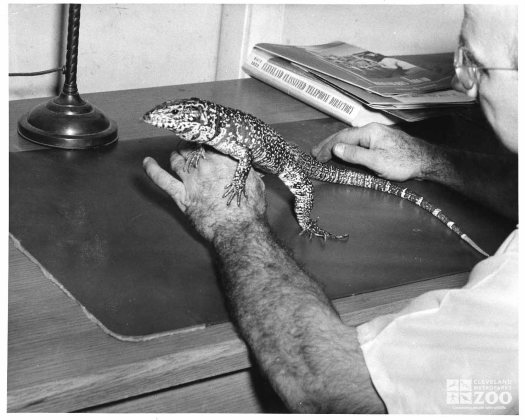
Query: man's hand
{"x": 390, "y": 152}
{"x": 200, "y": 194}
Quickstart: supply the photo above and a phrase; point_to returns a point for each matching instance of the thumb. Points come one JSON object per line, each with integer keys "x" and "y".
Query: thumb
{"x": 166, "y": 182}
{"x": 354, "y": 154}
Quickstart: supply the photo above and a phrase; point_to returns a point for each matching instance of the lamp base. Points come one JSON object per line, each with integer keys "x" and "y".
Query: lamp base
{"x": 68, "y": 122}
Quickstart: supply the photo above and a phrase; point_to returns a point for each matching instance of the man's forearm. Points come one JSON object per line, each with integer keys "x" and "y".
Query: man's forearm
{"x": 311, "y": 358}
{"x": 488, "y": 179}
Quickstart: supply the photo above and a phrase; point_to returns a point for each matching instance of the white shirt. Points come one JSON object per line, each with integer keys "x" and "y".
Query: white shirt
{"x": 452, "y": 351}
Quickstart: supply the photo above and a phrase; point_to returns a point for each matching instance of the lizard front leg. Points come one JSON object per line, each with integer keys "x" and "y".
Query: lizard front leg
{"x": 302, "y": 189}
{"x": 236, "y": 187}
{"x": 194, "y": 157}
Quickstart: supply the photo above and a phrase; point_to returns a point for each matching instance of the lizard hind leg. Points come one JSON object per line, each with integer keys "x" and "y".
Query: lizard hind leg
{"x": 302, "y": 189}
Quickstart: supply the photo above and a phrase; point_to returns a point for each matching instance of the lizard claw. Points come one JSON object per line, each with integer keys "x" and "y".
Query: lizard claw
{"x": 193, "y": 159}
{"x": 311, "y": 228}
{"x": 234, "y": 190}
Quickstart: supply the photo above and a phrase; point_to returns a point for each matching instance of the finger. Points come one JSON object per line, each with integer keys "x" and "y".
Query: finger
{"x": 322, "y": 151}
{"x": 166, "y": 182}
{"x": 177, "y": 162}
{"x": 356, "y": 154}
{"x": 352, "y": 136}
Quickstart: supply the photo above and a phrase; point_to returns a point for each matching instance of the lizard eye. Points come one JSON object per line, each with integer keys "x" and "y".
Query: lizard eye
{"x": 175, "y": 113}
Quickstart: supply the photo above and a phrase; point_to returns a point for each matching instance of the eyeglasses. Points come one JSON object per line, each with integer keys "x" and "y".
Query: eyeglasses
{"x": 467, "y": 72}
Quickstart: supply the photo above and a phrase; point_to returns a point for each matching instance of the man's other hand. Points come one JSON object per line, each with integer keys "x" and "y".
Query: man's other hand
{"x": 390, "y": 152}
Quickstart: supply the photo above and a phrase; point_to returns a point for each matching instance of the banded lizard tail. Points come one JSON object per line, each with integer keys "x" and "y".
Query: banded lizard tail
{"x": 252, "y": 142}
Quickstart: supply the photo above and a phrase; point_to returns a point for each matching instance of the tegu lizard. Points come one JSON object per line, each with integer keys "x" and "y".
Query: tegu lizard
{"x": 252, "y": 142}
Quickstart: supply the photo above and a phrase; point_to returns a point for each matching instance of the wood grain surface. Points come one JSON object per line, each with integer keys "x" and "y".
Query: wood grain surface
{"x": 240, "y": 392}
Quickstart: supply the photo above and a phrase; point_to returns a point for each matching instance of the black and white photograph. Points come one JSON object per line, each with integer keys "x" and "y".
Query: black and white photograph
{"x": 262, "y": 208}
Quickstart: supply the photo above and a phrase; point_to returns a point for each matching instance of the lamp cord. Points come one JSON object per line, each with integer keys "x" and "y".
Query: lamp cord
{"x": 38, "y": 73}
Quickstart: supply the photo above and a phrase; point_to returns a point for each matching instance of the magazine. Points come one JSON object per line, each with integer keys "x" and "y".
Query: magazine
{"x": 302, "y": 85}
{"x": 372, "y": 72}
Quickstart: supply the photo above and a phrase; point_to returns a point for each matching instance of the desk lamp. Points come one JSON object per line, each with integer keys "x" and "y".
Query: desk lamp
{"x": 67, "y": 121}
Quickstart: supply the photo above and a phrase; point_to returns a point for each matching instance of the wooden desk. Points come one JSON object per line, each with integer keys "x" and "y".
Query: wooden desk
{"x": 60, "y": 361}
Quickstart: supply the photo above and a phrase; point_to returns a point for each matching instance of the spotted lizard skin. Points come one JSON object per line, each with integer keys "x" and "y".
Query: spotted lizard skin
{"x": 252, "y": 142}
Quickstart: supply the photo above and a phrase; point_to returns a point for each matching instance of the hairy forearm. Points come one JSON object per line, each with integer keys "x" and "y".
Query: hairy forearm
{"x": 488, "y": 179}
{"x": 312, "y": 359}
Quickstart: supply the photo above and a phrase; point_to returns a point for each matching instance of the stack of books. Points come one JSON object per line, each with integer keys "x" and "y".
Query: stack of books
{"x": 359, "y": 86}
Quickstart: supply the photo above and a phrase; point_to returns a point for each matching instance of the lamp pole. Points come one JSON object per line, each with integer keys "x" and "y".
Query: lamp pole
{"x": 73, "y": 29}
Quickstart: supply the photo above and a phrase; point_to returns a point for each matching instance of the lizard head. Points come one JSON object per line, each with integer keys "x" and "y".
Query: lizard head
{"x": 190, "y": 119}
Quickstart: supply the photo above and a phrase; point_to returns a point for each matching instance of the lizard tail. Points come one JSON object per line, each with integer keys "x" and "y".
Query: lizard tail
{"x": 327, "y": 173}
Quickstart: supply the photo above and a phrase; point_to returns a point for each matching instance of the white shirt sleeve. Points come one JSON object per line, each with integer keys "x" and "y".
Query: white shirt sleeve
{"x": 452, "y": 351}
